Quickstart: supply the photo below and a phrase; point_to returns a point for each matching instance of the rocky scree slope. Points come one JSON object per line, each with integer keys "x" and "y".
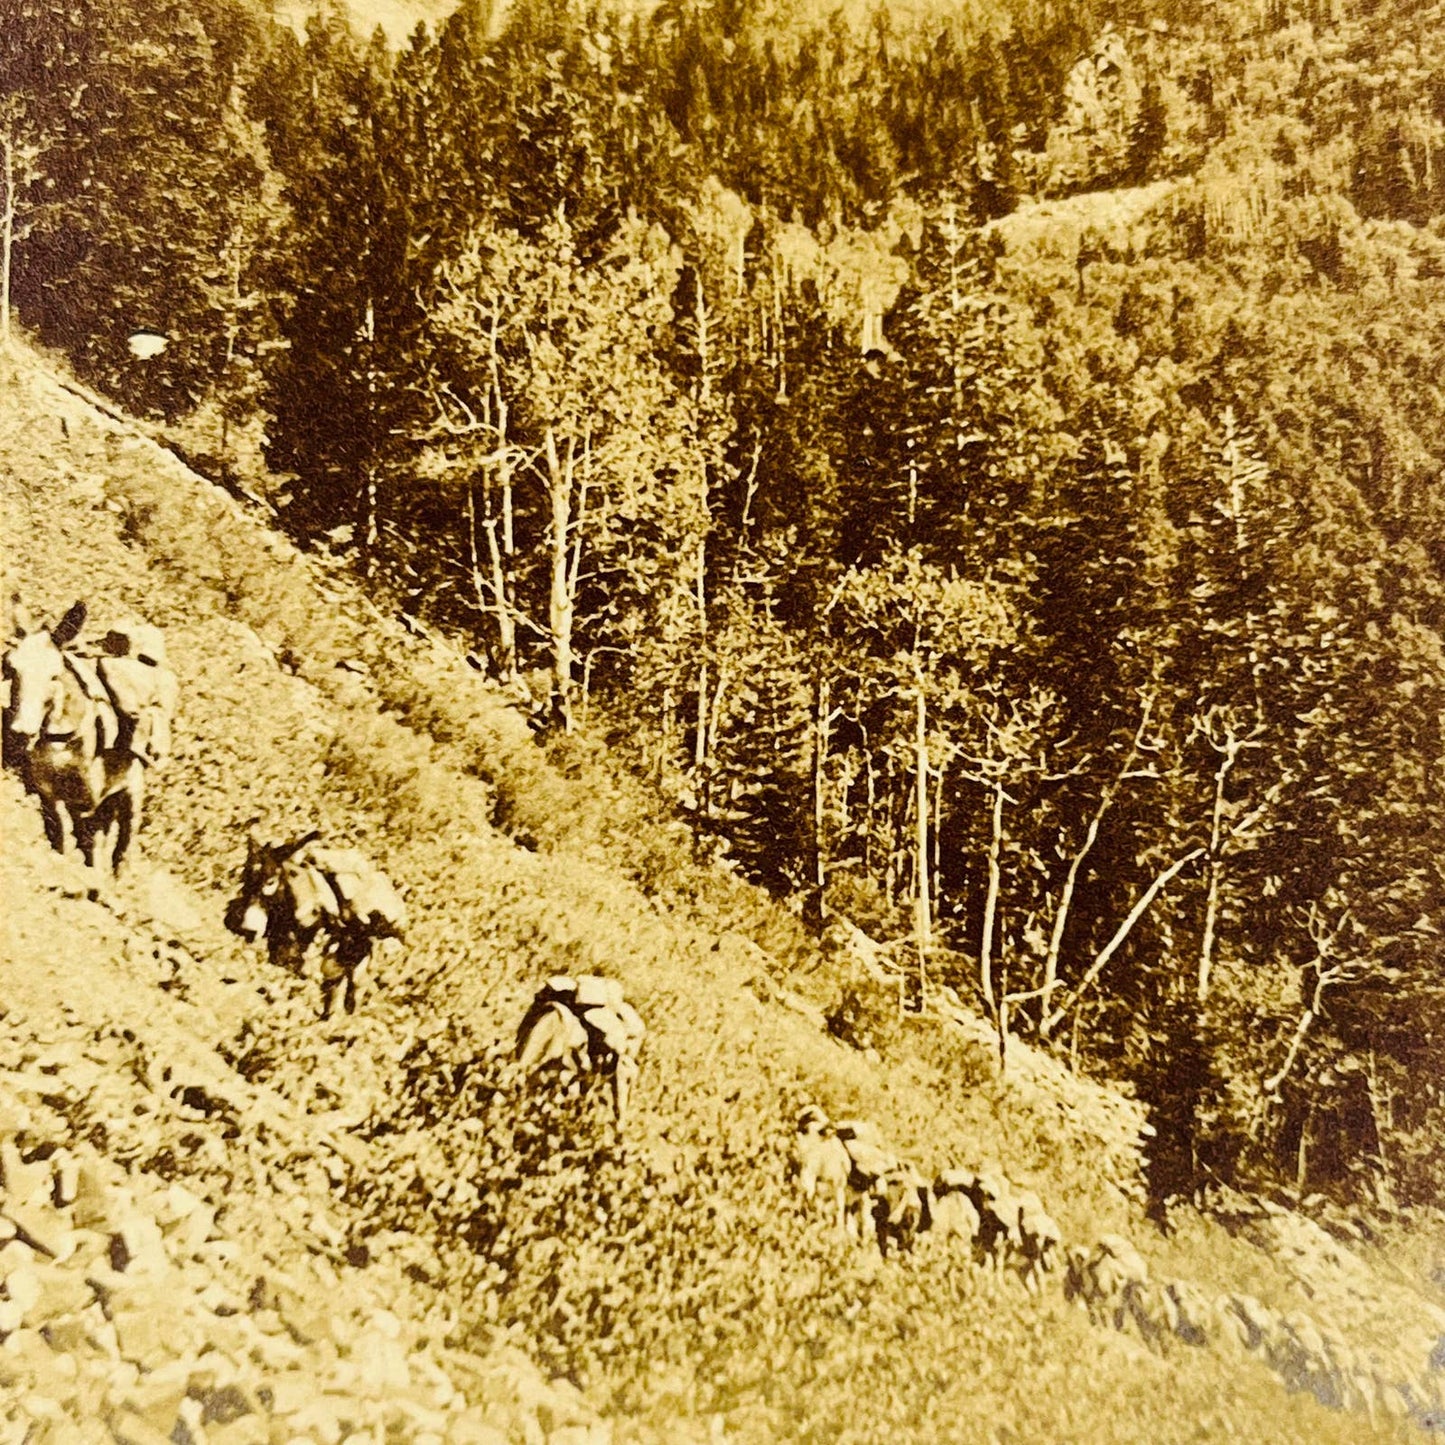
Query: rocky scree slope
{"x": 172, "y": 1263}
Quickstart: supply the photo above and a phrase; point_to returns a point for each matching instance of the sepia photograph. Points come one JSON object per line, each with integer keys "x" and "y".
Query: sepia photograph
{"x": 723, "y": 722}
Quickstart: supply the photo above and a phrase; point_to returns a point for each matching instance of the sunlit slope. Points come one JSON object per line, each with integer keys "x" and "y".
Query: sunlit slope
{"x": 700, "y": 1301}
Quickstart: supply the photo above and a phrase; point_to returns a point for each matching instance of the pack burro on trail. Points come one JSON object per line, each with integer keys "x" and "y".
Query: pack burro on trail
{"x": 303, "y": 892}
{"x": 583, "y": 1027}
{"x": 82, "y": 727}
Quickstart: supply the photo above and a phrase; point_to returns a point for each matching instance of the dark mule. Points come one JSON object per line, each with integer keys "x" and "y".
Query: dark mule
{"x": 63, "y": 734}
{"x": 296, "y": 894}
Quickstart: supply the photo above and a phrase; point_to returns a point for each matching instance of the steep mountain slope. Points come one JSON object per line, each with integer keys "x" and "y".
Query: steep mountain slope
{"x": 395, "y": 1217}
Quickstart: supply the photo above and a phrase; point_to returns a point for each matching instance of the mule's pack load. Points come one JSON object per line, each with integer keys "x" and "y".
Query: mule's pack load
{"x": 583, "y": 1025}
{"x": 344, "y": 885}
{"x": 304, "y": 892}
{"x": 599, "y": 1006}
{"x": 141, "y": 686}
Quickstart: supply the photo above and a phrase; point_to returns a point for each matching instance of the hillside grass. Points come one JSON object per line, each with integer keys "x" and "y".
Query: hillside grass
{"x": 674, "y": 1276}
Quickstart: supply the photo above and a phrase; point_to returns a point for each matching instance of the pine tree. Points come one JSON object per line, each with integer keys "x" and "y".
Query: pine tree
{"x": 339, "y": 392}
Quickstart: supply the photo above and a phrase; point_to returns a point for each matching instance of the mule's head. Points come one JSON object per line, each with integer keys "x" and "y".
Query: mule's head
{"x": 34, "y": 666}
{"x": 262, "y": 881}
{"x": 812, "y": 1120}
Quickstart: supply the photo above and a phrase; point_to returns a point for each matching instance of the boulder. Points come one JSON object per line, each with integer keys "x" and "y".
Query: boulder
{"x": 13, "y": 1255}
{"x": 129, "y": 1428}
{"x": 151, "y": 1330}
{"x": 599, "y": 1432}
{"x": 137, "y": 1246}
{"x": 170, "y": 903}
{"x": 247, "y": 1430}
{"x": 1252, "y": 1322}
{"x": 23, "y": 1287}
{"x": 289, "y": 1392}
{"x": 49, "y": 1290}
{"x": 306, "y": 1316}
{"x": 223, "y": 1403}
{"x": 46, "y": 1371}
{"x": 67, "y": 1334}
{"x": 156, "y": 1398}
{"x": 65, "y": 1175}
{"x": 321, "y": 1419}
{"x": 41, "y": 1227}
{"x": 471, "y": 1427}
{"x": 92, "y": 1204}
{"x": 23, "y": 1182}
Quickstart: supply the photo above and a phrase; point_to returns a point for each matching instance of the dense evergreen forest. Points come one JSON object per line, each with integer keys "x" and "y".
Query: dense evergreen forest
{"x": 1068, "y": 612}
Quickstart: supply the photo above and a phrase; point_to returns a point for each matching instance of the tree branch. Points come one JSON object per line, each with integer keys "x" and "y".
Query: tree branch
{"x": 1121, "y": 933}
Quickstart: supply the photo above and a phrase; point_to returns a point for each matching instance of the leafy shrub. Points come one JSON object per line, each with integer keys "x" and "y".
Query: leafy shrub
{"x": 865, "y": 1017}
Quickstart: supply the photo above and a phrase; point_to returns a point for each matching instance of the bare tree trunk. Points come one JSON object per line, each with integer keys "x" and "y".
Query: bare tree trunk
{"x": 923, "y": 902}
{"x": 7, "y": 237}
{"x": 1235, "y": 461}
{"x": 703, "y": 343}
{"x": 871, "y": 784}
{"x": 233, "y": 335}
{"x": 1324, "y": 939}
{"x": 1380, "y": 1104}
{"x": 714, "y": 717}
{"x": 502, "y": 600}
{"x": 1211, "y": 919}
{"x": 990, "y": 902}
{"x": 1272, "y": 1083}
{"x": 1003, "y": 1002}
{"x": 560, "y": 599}
{"x": 780, "y": 337}
{"x": 1216, "y": 867}
{"x": 664, "y": 736}
{"x": 700, "y": 752}
{"x": 700, "y": 748}
{"x": 474, "y": 554}
{"x": 938, "y": 831}
{"x": 370, "y": 531}
{"x": 499, "y": 553}
{"x": 884, "y": 797}
{"x": 491, "y": 592}
{"x": 1076, "y": 863}
{"x": 1066, "y": 902}
{"x": 821, "y": 721}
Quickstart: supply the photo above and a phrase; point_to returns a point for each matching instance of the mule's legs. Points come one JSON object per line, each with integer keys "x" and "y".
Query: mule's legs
{"x": 624, "y": 1073}
{"x": 335, "y": 980}
{"x": 358, "y": 978}
{"x": 99, "y": 844}
{"x": 109, "y": 833}
{"x": 127, "y": 817}
{"x": 333, "y": 985}
{"x": 60, "y": 826}
{"x": 348, "y": 956}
